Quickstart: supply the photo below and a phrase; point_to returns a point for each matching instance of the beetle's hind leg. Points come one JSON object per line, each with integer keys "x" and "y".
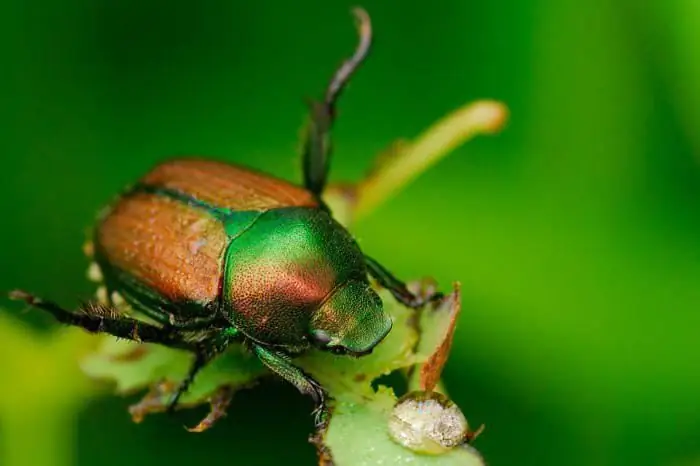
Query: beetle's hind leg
{"x": 317, "y": 146}
{"x": 99, "y": 318}
{"x": 398, "y": 288}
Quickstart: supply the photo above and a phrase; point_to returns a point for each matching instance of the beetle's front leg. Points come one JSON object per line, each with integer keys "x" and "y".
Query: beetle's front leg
{"x": 280, "y": 364}
{"x": 399, "y": 288}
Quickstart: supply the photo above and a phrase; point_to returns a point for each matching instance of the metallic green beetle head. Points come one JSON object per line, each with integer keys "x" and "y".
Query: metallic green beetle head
{"x": 351, "y": 321}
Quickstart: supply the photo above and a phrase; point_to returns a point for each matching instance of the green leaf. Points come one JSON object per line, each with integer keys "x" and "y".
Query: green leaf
{"x": 358, "y": 436}
{"x": 346, "y": 375}
{"x": 133, "y": 367}
{"x": 357, "y": 410}
{"x": 357, "y": 433}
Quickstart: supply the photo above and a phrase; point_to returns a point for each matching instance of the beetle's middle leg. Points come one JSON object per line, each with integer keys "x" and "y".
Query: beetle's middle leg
{"x": 398, "y": 288}
{"x": 203, "y": 354}
{"x": 317, "y": 146}
{"x": 201, "y": 358}
{"x": 98, "y": 318}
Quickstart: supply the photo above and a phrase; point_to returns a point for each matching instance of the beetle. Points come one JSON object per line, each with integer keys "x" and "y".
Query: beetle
{"x": 211, "y": 253}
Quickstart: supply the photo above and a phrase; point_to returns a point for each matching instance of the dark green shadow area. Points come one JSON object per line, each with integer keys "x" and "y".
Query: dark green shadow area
{"x": 266, "y": 426}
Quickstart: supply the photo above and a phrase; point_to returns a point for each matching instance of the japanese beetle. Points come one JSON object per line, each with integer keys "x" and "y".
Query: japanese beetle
{"x": 213, "y": 253}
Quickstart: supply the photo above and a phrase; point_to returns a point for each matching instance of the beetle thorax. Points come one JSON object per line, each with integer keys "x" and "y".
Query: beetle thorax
{"x": 281, "y": 270}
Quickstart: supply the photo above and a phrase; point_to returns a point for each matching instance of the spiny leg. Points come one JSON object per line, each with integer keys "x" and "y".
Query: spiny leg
{"x": 98, "y": 318}
{"x": 317, "y": 146}
{"x": 398, "y": 288}
{"x": 281, "y": 365}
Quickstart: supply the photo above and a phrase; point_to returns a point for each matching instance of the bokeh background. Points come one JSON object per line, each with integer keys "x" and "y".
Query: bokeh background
{"x": 575, "y": 233}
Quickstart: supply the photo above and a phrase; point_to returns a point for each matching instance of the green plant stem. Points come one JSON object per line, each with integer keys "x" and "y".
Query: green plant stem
{"x": 482, "y": 117}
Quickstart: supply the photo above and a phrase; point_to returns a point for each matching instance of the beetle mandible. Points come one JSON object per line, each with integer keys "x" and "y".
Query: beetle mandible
{"x": 214, "y": 253}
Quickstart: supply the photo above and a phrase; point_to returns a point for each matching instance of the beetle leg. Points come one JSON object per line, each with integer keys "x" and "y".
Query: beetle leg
{"x": 280, "y": 364}
{"x": 98, "y": 318}
{"x": 317, "y": 147}
{"x": 202, "y": 356}
{"x": 397, "y": 287}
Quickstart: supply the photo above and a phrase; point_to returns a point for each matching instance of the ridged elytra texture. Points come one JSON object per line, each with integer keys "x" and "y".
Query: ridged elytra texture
{"x": 197, "y": 237}
{"x": 227, "y": 186}
{"x": 169, "y": 246}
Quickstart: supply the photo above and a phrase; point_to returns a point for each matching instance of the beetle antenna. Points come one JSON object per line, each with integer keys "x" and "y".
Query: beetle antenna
{"x": 342, "y": 76}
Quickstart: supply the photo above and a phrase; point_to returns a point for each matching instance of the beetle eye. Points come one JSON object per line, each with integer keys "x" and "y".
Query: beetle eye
{"x": 321, "y": 337}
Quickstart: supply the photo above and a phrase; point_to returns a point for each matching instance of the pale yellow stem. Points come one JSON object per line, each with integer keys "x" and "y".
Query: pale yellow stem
{"x": 44, "y": 390}
{"x": 482, "y": 117}
{"x": 38, "y": 438}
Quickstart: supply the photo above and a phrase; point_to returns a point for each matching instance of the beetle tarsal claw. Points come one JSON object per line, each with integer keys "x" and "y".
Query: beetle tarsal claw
{"x": 20, "y": 295}
{"x": 153, "y": 402}
{"x": 320, "y": 415}
{"x": 219, "y": 403}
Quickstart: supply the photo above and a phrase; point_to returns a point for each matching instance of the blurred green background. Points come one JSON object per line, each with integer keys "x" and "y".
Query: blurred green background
{"x": 575, "y": 233}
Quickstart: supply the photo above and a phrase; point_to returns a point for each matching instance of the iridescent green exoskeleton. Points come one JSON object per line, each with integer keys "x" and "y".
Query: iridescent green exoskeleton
{"x": 211, "y": 253}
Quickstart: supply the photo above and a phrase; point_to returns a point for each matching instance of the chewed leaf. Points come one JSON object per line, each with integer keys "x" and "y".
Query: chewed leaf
{"x": 436, "y": 341}
{"x": 134, "y": 366}
{"x": 341, "y": 374}
{"x": 358, "y": 436}
{"x": 139, "y": 366}
{"x": 358, "y": 431}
